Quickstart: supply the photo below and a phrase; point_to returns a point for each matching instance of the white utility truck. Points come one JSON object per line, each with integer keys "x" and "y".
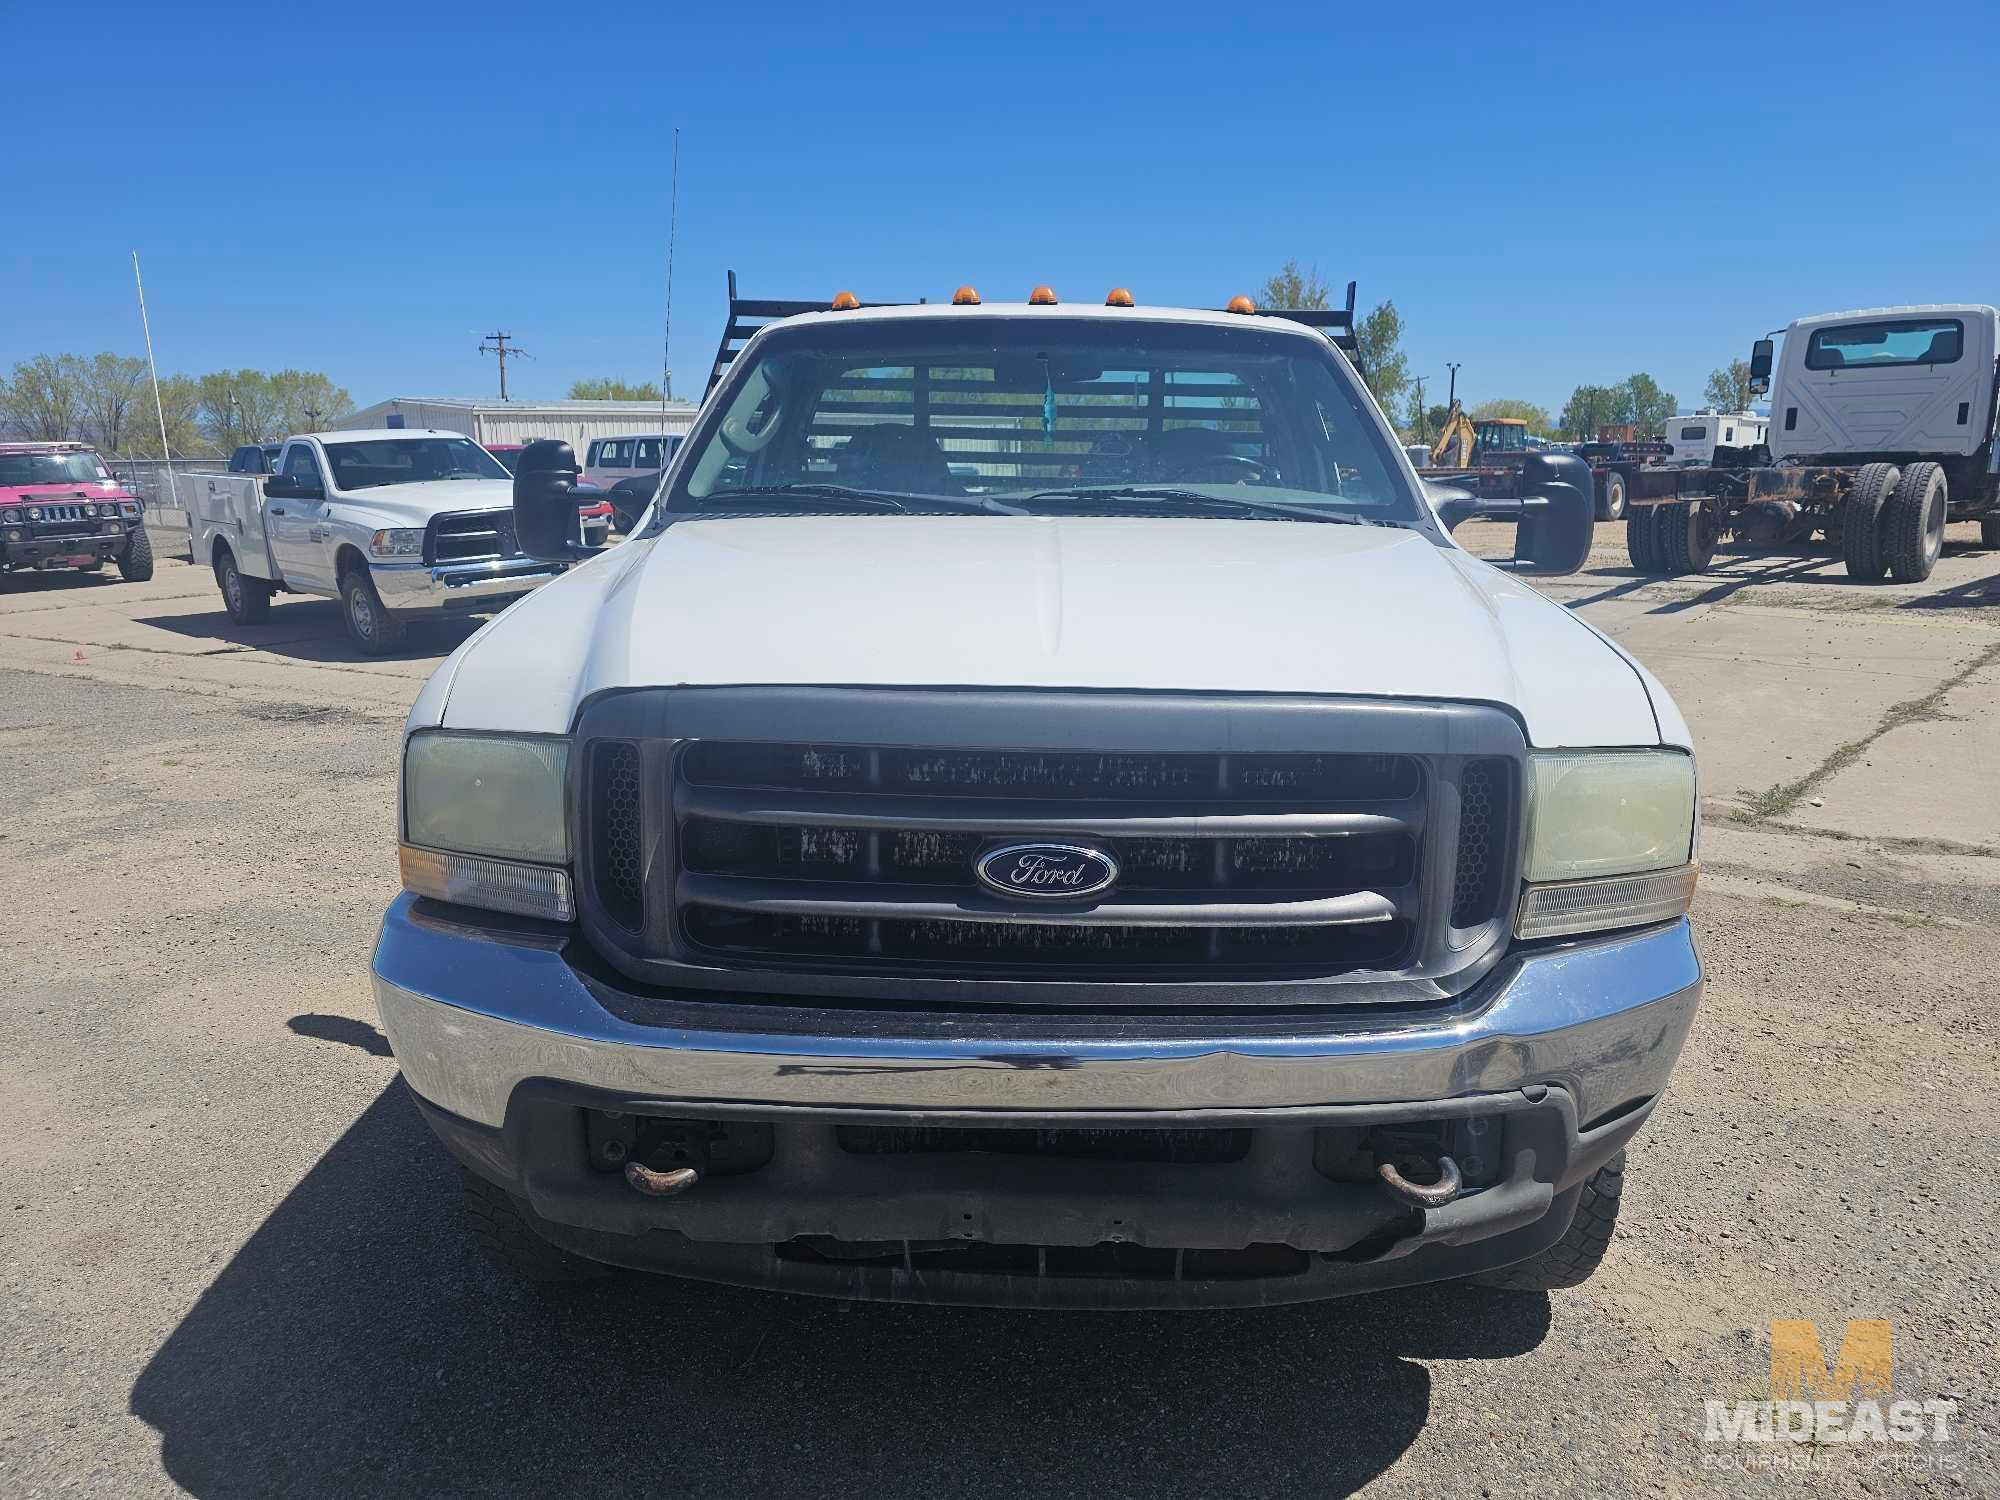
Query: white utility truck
{"x": 395, "y": 525}
{"x": 1042, "y": 811}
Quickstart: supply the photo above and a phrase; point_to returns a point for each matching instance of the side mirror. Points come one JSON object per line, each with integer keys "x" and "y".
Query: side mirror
{"x": 1558, "y": 514}
{"x": 545, "y": 503}
{"x": 1455, "y": 504}
{"x": 279, "y": 487}
{"x": 1760, "y": 367}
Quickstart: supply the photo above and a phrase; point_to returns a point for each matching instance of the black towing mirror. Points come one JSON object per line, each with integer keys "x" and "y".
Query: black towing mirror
{"x": 1556, "y": 510}
{"x": 1760, "y": 367}
{"x": 1558, "y": 514}
{"x": 545, "y": 503}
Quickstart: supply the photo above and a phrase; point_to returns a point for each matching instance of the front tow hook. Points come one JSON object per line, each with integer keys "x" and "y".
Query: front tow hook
{"x": 1436, "y": 1195}
{"x": 665, "y": 1184}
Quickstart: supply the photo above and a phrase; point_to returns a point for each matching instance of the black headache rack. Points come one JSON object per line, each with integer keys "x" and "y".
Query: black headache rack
{"x": 749, "y": 314}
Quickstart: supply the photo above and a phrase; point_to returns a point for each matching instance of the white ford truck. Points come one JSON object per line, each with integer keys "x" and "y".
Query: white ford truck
{"x": 393, "y": 524}
{"x": 1043, "y": 812}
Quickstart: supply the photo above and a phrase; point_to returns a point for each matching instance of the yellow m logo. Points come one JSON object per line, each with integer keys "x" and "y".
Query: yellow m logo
{"x": 1798, "y": 1365}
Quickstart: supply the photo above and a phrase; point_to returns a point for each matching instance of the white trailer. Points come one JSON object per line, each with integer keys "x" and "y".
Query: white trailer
{"x": 1694, "y": 438}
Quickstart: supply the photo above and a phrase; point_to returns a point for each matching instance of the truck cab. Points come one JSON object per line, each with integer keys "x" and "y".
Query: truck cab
{"x": 1895, "y": 406}
{"x": 1886, "y": 381}
{"x": 397, "y": 525}
{"x": 1042, "y": 811}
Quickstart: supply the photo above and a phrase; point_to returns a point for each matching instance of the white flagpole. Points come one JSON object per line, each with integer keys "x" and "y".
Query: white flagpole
{"x": 158, "y": 410}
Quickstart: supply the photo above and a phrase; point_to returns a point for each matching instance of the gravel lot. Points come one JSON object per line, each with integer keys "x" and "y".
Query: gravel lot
{"x": 229, "y": 1249}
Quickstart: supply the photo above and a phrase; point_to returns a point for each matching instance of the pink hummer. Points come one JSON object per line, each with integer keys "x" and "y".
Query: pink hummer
{"x": 61, "y": 509}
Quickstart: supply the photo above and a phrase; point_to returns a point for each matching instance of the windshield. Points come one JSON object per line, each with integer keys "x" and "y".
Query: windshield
{"x": 51, "y": 468}
{"x": 368, "y": 465}
{"x": 1017, "y": 409}
{"x": 1902, "y": 341}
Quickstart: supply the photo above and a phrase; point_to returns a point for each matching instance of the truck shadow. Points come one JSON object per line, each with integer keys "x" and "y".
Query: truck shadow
{"x": 357, "y": 1345}
{"x": 312, "y": 630}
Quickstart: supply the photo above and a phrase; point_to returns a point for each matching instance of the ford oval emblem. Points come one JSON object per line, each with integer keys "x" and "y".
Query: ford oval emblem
{"x": 1047, "y": 872}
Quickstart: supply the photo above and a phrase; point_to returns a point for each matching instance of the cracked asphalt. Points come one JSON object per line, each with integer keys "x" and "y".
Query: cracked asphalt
{"x": 229, "y": 1261}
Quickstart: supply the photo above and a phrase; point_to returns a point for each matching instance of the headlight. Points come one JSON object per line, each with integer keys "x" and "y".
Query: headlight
{"x": 1610, "y": 840}
{"x": 34, "y": 513}
{"x": 487, "y": 816}
{"x": 397, "y": 543}
{"x": 90, "y": 511}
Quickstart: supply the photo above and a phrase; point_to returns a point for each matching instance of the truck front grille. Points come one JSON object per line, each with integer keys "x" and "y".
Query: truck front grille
{"x": 1370, "y": 852}
{"x": 482, "y": 536}
{"x": 806, "y": 854}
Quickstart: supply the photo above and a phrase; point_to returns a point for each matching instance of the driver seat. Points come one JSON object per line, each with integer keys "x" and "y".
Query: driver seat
{"x": 1182, "y": 450}
{"x": 894, "y": 457}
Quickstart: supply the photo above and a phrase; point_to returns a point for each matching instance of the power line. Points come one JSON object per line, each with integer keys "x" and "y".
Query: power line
{"x": 496, "y": 343}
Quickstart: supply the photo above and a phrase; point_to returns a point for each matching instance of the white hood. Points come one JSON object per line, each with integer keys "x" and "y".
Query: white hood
{"x": 1045, "y": 602}
{"x": 414, "y": 504}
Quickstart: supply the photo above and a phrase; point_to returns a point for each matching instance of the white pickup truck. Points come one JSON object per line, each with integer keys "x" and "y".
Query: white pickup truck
{"x": 1042, "y": 811}
{"x": 394, "y": 524}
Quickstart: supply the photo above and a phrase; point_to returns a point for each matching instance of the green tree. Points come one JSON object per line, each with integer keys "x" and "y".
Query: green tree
{"x": 1294, "y": 288}
{"x": 1590, "y": 407}
{"x": 1537, "y": 417}
{"x": 1646, "y": 406}
{"x": 1417, "y": 426}
{"x": 1380, "y": 341}
{"x": 44, "y": 397}
{"x": 1728, "y": 388}
{"x": 305, "y": 401}
{"x": 611, "y": 389}
{"x": 180, "y": 397}
{"x": 237, "y": 407}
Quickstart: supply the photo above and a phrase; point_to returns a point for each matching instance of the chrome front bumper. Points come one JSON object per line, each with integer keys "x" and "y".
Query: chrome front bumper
{"x": 418, "y": 586}
{"x": 473, "y": 1012}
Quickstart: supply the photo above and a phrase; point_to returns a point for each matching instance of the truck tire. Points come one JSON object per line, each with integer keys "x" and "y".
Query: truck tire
{"x": 1571, "y": 1259}
{"x": 1684, "y": 536}
{"x": 1913, "y": 522}
{"x": 1641, "y": 539}
{"x": 1611, "y": 504}
{"x": 1861, "y": 520}
{"x": 135, "y": 563}
{"x": 248, "y": 600}
{"x": 501, "y": 1230}
{"x": 375, "y": 631}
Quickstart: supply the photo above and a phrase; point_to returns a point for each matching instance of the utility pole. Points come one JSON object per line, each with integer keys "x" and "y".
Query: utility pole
{"x": 1452, "y": 399}
{"x": 498, "y": 345}
{"x": 1420, "y": 428}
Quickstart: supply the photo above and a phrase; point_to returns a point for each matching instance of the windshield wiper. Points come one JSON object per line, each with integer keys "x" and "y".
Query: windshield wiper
{"x": 1274, "y": 510}
{"x": 861, "y": 499}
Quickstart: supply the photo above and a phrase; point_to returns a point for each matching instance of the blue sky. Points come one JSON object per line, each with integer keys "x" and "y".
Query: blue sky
{"x": 367, "y": 191}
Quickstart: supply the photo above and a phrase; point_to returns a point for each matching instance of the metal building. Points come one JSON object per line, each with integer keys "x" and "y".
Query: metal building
{"x": 575, "y": 422}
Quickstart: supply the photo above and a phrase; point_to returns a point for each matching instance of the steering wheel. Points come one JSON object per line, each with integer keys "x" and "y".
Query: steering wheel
{"x": 1240, "y": 469}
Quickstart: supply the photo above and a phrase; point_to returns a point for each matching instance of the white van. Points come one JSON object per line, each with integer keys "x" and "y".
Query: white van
{"x": 1695, "y": 438}
{"x": 640, "y": 456}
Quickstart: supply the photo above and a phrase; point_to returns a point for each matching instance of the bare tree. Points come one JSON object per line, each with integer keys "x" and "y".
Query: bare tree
{"x": 112, "y": 384}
